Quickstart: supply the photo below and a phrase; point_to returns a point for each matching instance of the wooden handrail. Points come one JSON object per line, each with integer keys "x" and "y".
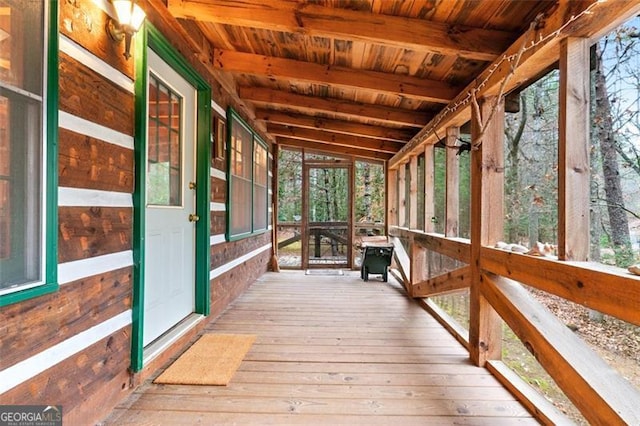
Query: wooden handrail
{"x": 609, "y": 290}
{"x": 597, "y": 390}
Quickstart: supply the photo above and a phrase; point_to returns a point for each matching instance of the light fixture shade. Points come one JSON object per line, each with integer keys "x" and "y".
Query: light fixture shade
{"x": 130, "y": 15}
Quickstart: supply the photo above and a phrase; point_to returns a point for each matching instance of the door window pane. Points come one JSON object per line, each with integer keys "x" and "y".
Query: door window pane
{"x": 164, "y": 146}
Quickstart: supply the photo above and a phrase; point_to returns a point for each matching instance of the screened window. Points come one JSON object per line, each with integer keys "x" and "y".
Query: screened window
{"x": 248, "y": 180}
{"x": 260, "y": 180}
{"x": 22, "y": 148}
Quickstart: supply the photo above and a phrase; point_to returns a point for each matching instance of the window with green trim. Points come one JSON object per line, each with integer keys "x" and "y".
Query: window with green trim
{"x": 247, "y": 210}
{"x": 24, "y": 126}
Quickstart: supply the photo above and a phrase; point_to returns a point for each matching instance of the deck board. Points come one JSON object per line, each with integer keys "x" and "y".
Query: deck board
{"x": 333, "y": 350}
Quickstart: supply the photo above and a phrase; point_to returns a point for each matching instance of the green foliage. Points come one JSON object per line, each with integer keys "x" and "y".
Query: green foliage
{"x": 624, "y": 256}
{"x": 370, "y": 192}
{"x": 289, "y": 186}
{"x": 327, "y": 187}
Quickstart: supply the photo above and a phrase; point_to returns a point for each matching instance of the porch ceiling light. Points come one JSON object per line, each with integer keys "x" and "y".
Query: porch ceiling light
{"x": 130, "y": 17}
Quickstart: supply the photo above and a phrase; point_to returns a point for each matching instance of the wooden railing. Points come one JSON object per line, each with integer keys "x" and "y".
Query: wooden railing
{"x": 598, "y": 391}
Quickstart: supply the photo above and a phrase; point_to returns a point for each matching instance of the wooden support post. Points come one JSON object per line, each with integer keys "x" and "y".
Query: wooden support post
{"x": 452, "y": 209}
{"x": 402, "y": 202}
{"x": 487, "y": 199}
{"x": 573, "y": 151}
{"x": 429, "y": 188}
{"x": 413, "y": 193}
{"x": 274, "y": 210}
{"x": 392, "y": 198}
{"x": 304, "y": 225}
{"x": 419, "y": 271}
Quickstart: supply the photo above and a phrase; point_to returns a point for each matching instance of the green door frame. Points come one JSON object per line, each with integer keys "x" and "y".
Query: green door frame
{"x": 150, "y": 37}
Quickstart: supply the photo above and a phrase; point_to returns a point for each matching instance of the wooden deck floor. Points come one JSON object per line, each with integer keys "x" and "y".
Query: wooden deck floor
{"x": 333, "y": 350}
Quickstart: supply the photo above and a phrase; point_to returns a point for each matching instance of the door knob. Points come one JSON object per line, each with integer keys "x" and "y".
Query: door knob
{"x": 194, "y": 218}
{"x": 192, "y": 185}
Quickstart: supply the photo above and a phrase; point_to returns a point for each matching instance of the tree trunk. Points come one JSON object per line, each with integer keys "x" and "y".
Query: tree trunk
{"x": 513, "y": 173}
{"x": 613, "y": 189}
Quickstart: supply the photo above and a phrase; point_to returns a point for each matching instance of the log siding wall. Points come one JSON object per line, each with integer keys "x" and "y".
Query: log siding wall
{"x": 73, "y": 347}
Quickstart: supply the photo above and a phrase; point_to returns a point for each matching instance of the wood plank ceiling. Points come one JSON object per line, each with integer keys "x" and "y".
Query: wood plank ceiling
{"x": 357, "y": 77}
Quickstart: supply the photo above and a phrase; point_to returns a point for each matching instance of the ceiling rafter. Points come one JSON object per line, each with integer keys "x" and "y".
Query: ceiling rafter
{"x": 333, "y": 149}
{"x": 334, "y": 138}
{"x": 313, "y": 20}
{"x": 311, "y": 104}
{"x": 340, "y": 126}
{"x": 537, "y": 56}
{"x": 289, "y": 69}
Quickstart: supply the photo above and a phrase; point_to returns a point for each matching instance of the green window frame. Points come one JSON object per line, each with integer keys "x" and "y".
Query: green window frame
{"x": 38, "y": 102}
{"x": 248, "y": 180}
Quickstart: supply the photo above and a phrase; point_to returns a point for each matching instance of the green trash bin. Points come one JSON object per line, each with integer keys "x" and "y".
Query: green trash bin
{"x": 376, "y": 259}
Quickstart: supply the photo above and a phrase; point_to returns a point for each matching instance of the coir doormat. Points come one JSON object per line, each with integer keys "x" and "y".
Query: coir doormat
{"x": 212, "y": 360}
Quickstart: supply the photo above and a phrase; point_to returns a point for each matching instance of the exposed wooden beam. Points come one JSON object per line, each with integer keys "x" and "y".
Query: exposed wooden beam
{"x": 334, "y": 138}
{"x": 340, "y": 126}
{"x": 535, "y": 59}
{"x": 333, "y": 149}
{"x": 311, "y": 104}
{"x": 289, "y": 69}
{"x": 313, "y": 20}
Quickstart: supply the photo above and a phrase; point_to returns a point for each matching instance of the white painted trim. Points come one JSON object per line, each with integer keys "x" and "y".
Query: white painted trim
{"x": 163, "y": 343}
{"x": 218, "y": 174}
{"x": 236, "y": 262}
{"x": 218, "y": 207}
{"x": 97, "y": 131}
{"x": 270, "y": 174}
{"x": 217, "y": 108}
{"x": 77, "y": 197}
{"x": 32, "y": 366}
{"x": 77, "y": 269}
{"x": 217, "y": 239}
{"x": 87, "y": 58}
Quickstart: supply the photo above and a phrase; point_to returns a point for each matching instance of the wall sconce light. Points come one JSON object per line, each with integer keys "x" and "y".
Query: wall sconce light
{"x": 129, "y": 20}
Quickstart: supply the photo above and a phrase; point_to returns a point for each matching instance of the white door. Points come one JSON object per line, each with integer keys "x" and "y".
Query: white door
{"x": 169, "y": 269}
